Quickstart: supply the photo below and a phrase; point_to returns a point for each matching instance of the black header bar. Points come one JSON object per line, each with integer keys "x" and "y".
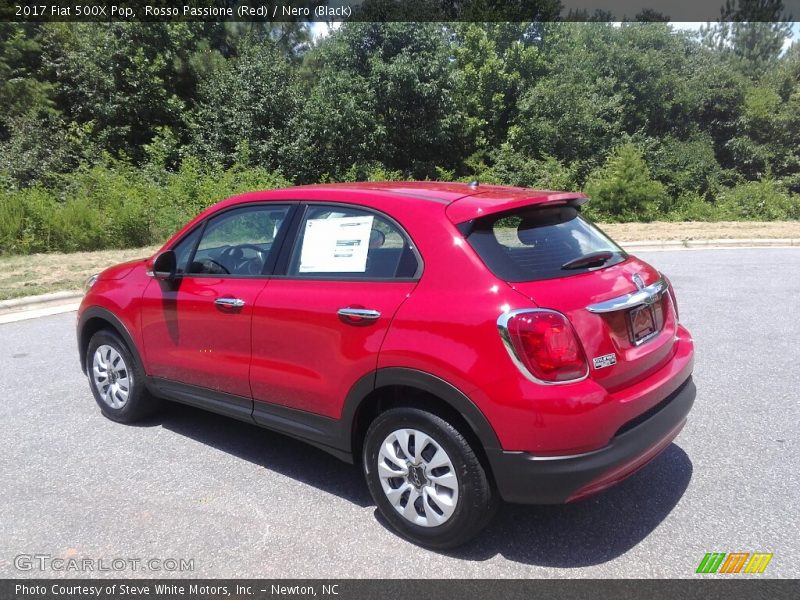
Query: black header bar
{"x": 392, "y": 10}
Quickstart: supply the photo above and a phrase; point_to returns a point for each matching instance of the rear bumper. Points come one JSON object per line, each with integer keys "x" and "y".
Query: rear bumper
{"x": 527, "y": 479}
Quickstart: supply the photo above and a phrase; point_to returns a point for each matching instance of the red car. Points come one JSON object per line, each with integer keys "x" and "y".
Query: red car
{"x": 462, "y": 343}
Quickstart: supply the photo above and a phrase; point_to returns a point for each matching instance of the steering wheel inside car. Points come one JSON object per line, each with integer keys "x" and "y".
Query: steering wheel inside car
{"x": 209, "y": 265}
{"x": 234, "y": 256}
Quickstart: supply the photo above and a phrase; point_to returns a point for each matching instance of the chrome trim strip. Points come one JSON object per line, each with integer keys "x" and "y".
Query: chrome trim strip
{"x": 647, "y": 295}
{"x": 569, "y": 456}
{"x": 502, "y": 327}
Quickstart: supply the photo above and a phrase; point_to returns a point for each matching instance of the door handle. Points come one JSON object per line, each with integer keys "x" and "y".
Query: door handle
{"x": 365, "y": 314}
{"x": 229, "y": 302}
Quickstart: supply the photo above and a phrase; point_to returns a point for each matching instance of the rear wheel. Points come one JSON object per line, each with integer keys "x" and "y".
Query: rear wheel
{"x": 426, "y": 479}
{"x": 116, "y": 379}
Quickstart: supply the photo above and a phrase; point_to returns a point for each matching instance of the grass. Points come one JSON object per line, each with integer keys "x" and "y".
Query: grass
{"x": 34, "y": 274}
{"x": 42, "y": 273}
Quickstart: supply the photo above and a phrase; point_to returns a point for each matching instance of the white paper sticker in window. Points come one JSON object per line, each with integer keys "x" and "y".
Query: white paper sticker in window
{"x": 337, "y": 245}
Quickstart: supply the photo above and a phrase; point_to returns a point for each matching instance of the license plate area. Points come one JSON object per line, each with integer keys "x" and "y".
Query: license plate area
{"x": 642, "y": 324}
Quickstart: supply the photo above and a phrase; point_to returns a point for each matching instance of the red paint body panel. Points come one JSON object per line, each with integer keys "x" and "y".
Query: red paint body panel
{"x": 307, "y": 357}
{"x": 288, "y": 346}
{"x": 604, "y": 334}
{"x": 119, "y": 290}
{"x": 189, "y": 339}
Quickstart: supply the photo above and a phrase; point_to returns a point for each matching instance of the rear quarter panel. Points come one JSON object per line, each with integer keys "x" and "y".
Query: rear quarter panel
{"x": 448, "y": 328}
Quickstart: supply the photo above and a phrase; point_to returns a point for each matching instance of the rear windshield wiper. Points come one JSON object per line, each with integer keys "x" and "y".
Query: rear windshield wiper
{"x": 593, "y": 259}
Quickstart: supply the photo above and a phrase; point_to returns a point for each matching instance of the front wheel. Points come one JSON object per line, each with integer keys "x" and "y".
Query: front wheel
{"x": 116, "y": 379}
{"x": 426, "y": 479}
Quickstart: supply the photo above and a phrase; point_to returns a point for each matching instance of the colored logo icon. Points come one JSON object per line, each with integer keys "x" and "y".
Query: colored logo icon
{"x": 735, "y": 562}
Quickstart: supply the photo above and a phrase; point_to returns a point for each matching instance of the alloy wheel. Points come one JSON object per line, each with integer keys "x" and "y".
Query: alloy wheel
{"x": 418, "y": 477}
{"x": 111, "y": 376}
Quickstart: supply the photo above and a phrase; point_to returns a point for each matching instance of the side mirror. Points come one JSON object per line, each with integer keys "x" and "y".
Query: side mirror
{"x": 165, "y": 266}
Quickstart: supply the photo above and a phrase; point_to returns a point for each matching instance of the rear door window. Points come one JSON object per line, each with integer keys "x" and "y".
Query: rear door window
{"x": 533, "y": 243}
{"x": 337, "y": 242}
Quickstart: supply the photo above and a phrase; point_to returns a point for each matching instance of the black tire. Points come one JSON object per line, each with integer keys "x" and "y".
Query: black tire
{"x": 139, "y": 403}
{"x": 476, "y": 500}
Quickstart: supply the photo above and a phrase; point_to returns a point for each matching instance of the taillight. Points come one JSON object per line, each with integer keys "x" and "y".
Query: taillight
{"x": 543, "y": 343}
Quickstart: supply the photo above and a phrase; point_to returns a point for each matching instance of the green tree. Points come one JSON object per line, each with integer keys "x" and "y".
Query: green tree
{"x": 335, "y": 130}
{"x": 603, "y": 83}
{"x": 753, "y": 32}
{"x": 22, "y": 92}
{"x": 512, "y": 168}
{"x": 250, "y": 100}
{"x": 493, "y": 63}
{"x": 686, "y": 166}
{"x": 402, "y": 74}
{"x": 713, "y": 95}
{"x": 125, "y": 79}
{"x": 767, "y": 134}
{"x": 624, "y": 189}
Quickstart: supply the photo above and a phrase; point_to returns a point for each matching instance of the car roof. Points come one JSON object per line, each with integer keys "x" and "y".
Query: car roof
{"x": 462, "y": 201}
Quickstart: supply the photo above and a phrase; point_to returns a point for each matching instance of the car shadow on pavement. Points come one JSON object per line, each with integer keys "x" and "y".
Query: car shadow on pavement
{"x": 588, "y": 532}
{"x": 268, "y": 449}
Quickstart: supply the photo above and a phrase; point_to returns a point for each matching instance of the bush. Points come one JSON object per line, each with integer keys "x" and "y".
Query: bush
{"x": 693, "y": 207}
{"x": 12, "y": 220}
{"x": 686, "y": 167}
{"x": 763, "y": 200}
{"x": 511, "y": 167}
{"x": 30, "y": 221}
{"x": 79, "y": 226}
{"x": 624, "y": 190}
{"x": 117, "y": 206}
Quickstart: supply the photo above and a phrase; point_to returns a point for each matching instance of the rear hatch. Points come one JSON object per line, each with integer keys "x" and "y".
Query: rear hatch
{"x": 619, "y": 306}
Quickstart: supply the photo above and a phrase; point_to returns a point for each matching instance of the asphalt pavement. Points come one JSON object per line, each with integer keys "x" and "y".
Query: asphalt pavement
{"x": 239, "y": 501}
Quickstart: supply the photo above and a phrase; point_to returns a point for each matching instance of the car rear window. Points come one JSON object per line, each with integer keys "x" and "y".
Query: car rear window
{"x": 536, "y": 243}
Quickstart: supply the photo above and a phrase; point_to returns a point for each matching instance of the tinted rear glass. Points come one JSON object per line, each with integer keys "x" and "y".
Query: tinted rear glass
{"x": 541, "y": 243}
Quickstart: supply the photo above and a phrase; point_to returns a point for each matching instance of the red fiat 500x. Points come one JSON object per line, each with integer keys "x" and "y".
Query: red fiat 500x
{"x": 462, "y": 343}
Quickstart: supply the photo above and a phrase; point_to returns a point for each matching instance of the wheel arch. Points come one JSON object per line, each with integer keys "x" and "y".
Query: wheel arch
{"x": 94, "y": 319}
{"x": 395, "y": 386}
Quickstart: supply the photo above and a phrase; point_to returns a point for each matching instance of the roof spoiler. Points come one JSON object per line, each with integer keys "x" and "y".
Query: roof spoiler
{"x": 465, "y": 211}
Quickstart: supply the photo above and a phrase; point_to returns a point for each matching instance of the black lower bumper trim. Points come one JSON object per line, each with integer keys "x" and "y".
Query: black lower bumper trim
{"x": 527, "y": 479}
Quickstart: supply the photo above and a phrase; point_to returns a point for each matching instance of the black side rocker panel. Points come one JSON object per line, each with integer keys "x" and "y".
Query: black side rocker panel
{"x": 331, "y": 435}
{"x": 334, "y": 436}
{"x": 319, "y": 431}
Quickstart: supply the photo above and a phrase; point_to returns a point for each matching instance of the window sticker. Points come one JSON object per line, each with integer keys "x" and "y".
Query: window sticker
{"x": 337, "y": 245}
